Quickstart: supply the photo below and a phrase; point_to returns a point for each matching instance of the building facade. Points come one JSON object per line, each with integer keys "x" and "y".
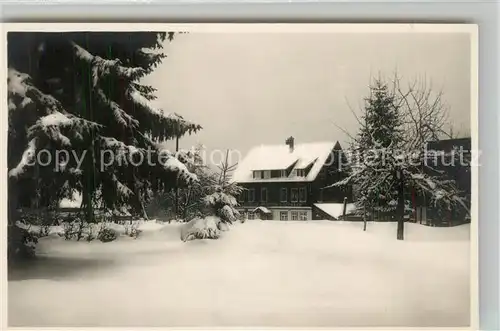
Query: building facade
{"x": 283, "y": 182}
{"x": 453, "y": 158}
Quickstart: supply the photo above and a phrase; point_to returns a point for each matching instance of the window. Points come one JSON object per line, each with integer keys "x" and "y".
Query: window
{"x": 300, "y": 172}
{"x": 251, "y": 216}
{"x": 263, "y": 194}
{"x": 258, "y": 174}
{"x": 303, "y": 216}
{"x": 283, "y": 195}
{"x": 283, "y": 173}
{"x": 242, "y": 196}
{"x": 267, "y": 174}
{"x": 295, "y": 215}
{"x": 295, "y": 195}
{"x": 251, "y": 195}
{"x": 283, "y": 215}
{"x": 275, "y": 173}
{"x": 302, "y": 194}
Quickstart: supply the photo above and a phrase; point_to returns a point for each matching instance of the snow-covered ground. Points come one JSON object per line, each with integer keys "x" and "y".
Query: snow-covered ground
{"x": 289, "y": 274}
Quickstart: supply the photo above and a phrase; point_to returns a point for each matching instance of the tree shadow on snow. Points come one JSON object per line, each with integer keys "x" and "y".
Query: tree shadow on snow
{"x": 54, "y": 268}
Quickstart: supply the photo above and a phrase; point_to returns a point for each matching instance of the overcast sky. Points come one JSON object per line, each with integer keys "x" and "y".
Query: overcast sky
{"x": 252, "y": 89}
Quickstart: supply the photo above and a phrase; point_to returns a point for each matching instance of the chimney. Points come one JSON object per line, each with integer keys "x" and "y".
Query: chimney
{"x": 290, "y": 143}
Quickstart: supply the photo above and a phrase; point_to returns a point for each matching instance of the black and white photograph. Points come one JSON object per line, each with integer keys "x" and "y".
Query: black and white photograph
{"x": 241, "y": 175}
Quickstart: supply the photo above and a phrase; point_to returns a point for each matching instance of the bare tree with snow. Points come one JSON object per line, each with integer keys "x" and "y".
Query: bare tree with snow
{"x": 389, "y": 155}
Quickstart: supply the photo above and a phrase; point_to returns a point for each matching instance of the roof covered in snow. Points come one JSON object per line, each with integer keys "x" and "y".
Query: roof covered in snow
{"x": 335, "y": 209}
{"x": 449, "y": 144}
{"x": 280, "y": 157}
{"x": 262, "y": 209}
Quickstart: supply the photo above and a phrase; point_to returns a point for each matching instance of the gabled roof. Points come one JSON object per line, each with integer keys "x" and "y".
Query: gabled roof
{"x": 262, "y": 209}
{"x": 279, "y": 157}
{"x": 335, "y": 210}
{"x": 448, "y": 144}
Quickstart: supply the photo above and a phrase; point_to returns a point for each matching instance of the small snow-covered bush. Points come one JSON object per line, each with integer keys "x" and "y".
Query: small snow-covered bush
{"x": 69, "y": 230}
{"x": 90, "y": 234}
{"x": 107, "y": 235}
{"x": 201, "y": 228}
{"x": 44, "y": 230}
{"x": 132, "y": 228}
{"x": 134, "y": 232}
{"x": 39, "y": 222}
{"x": 76, "y": 228}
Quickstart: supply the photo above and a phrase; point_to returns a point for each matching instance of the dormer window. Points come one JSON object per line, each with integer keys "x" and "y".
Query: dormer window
{"x": 300, "y": 172}
{"x": 283, "y": 173}
{"x": 257, "y": 174}
{"x": 262, "y": 174}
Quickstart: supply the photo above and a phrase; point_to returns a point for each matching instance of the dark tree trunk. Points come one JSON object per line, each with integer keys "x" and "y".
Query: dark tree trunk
{"x": 177, "y": 183}
{"x": 87, "y": 207}
{"x": 344, "y": 210}
{"x": 140, "y": 199}
{"x": 186, "y": 205}
{"x": 401, "y": 207}
{"x": 143, "y": 211}
{"x": 12, "y": 199}
{"x": 364, "y": 218}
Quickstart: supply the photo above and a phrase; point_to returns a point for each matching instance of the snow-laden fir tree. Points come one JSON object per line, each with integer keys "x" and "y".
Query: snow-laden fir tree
{"x": 212, "y": 195}
{"x": 213, "y": 203}
{"x": 380, "y": 132}
{"x": 81, "y": 93}
{"x": 222, "y": 198}
{"x": 186, "y": 203}
{"x": 389, "y": 159}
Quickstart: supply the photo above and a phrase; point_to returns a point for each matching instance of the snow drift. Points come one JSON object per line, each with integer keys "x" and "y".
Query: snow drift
{"x": 260, "y": 274}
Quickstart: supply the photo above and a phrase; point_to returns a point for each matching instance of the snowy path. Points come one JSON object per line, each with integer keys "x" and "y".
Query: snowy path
{"x": 288, "y": 274}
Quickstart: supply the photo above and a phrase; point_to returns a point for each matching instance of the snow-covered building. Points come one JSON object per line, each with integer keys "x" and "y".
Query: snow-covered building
{"x": 452, "y": 157}
{"x": 285, "y": 182}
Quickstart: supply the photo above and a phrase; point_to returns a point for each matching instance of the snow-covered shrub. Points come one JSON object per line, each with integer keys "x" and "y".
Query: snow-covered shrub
{"x": 132, "y": 230}
{"x": 21, "y": 243}
{"x": 219, "y": 197}
{"x": 41, "y": 221}
{"x": 201, "y": 228}
{"x": 82, "y": 227}
{"x": 70, "y": 229}
{"x": 44, "y": 230}
{"x": 107, "y": 235}
{"x": 90, "y": 234}
{"x": 127, "y": 226}
{"x": 75, "y": 227}
{"x": 229, "y": 214}
{"x": 222, "y": 202}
